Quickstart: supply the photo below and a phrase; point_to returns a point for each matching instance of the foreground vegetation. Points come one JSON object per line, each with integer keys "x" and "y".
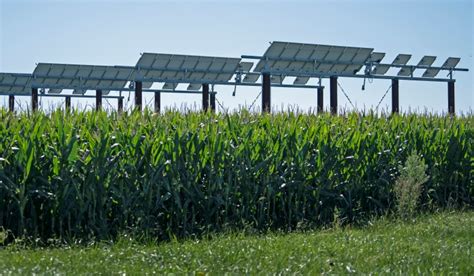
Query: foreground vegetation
{"x": 92, "y": 175}
{"x": 439, "y": 244}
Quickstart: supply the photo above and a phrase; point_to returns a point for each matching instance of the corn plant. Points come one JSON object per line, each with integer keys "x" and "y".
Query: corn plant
{"x": 93, "y": 175}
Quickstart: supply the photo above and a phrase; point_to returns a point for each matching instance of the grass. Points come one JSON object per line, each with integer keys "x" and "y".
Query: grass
{"x": 438, "y": 243}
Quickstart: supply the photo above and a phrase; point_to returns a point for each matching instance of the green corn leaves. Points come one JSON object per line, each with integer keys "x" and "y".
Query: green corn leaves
{"x": 93, "y": 175}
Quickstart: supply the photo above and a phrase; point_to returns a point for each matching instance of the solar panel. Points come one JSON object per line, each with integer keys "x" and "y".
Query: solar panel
{"x": 431, "y": 73}
{"x": 451, "y": 62}
{"x": 406, "y": 71}
{"x": 72, "y": 76}
{"x": 312, "y": 58}
{"x": 401, "y": 59}
{"x": 170, "y": 86}
{"x": 54, "y": 91}
{"x": 17, "y": 90}
{"x": 380, "y": 69}
{"x": 194, "y": 86}
{"x": 189, "y": 69}
{"x": 245, "y": 66}
{"x": 251, "y": 77}
{"x": 427, "y": 61}
{"x": 277, "y": 79}
{"x": 79, "y": 91}
{"x": 301, "y": 80}
{"x": 147, "y": 84}
{"x": 377, "y": 57}
{"x": 14, "y": 79}
{"x": 15, "y": 83}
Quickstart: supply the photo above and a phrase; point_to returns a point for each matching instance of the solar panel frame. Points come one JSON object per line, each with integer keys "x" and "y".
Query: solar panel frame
{"x": 377, "y": 57}
{"x": 427, "y": 61}
{"x": 381, "y": 69}
{"x": 401, "y": 59}
{"x": 431, "y": 72}
{"x": 251, "y": 77}
{"x": 170, "y": 86}
{"x": 194, "y": 87}
{"x": 278, "y": 79}
{"x": 245, "y": 66}
{"x": 301, "y": 80}
{"x": 187, "y": 68}
{"x": 72, "y": 76}
{"x": 312, "y": 58}
{"x": 451, "y": 62}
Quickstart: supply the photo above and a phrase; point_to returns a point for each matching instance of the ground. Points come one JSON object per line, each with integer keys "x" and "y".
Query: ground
{"x": 437, "y": 243}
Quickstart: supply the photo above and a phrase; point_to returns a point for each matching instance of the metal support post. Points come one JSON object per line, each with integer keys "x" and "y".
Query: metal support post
{"x": 98, "y": 100}
{"x": 120, "y": 105}
{"x": 213, "y": 101}
{"x": 395, "y": 96}
{"x": 266, "y": 93}
{"x": 11, "y": 103}
{"x": 451, "y": 109}
{"x": 138, "y": 95}
{"x": 205, "y": 97}
{"x": 320, "y": 99}
{"x": 333, "y": 94}
{"x": 68, "y": 102}
{"x": 157, "y": 102}
{"x": 34, "y": 99}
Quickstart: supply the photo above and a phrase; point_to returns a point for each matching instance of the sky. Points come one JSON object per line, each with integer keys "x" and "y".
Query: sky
{"x": 106, "y": 32}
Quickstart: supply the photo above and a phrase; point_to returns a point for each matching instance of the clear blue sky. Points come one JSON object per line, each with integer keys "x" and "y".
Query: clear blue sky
{"x": 116, "y": 32}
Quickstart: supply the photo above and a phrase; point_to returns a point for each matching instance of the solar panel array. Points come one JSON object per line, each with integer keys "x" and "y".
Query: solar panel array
{"x": 80, "y": 78}
{"x": 297, "y": 58}
{"x": 281, "y": 60}
{"x": 174, "y": 69}
{"x": 18, "y": 84}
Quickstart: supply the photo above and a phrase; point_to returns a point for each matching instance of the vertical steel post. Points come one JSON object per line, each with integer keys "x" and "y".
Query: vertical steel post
{"x": 11, "y": 103}
{"x": 98, "y": 99}
{"x": 213, "y": 101}
{"x": 266, "y": 93}
{"x": 120, "y": 105}
{"x": 34, "y": 99}
{"x": 68, "y": 102}
{"x": 138, "y": 95}
{"x": 205, "y": 97}
{"x": 395, "y": 96}
{"x": 451, "y": 106}
{"x": 157, "y": 101}
{"x": 320, "y": 99}
{"x": 333, "y": 94}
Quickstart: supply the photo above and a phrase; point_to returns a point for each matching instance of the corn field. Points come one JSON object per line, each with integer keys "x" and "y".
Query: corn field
{"x": 93, "y": 175}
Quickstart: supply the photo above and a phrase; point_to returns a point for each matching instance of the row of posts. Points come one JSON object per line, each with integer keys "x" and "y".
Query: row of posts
{"x": 266, "y": 98}
{"x": 211, "y": 97}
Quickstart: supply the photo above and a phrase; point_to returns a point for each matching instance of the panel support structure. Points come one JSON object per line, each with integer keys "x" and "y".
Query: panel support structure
{"x": 98, "y": 99}
{"x": 266, "y": 93}
{"x": 395, "y": 96}
{"x": 333, "y": 94}
{"x": 11, "y": 103}
{"x": 34, "y": 99}
{"x": 451, "y": 107}
{"x": 138, "y": 95}
{"x": 157, "y": 102}
{"x": 205, "y": 97}
{"x": 120, "y": 105}
{"x": 320, "y": 100}
{"x": 213, "y": 101}
{"x": 68, "y": 102}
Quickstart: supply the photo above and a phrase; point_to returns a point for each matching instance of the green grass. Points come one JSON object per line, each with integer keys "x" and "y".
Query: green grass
{"x": 440, "y": 243}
